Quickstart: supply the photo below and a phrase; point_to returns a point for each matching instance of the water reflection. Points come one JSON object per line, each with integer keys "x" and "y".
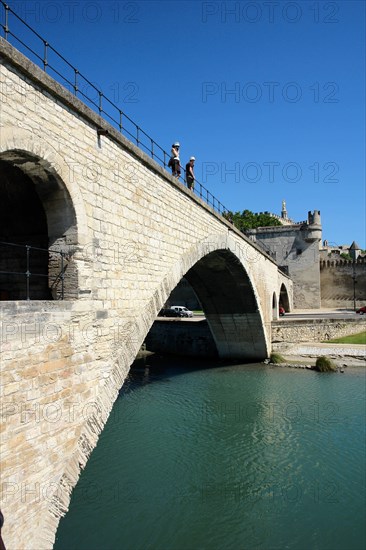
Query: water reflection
{"x": 215, "y": 456}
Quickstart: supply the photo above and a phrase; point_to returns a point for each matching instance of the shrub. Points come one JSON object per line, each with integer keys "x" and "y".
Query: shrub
{"x": 276, "y": 358}
{"x": 324, "y": 364}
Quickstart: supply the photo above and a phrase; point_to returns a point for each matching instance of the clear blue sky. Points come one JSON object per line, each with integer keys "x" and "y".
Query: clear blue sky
{"x": 268, "y": 96}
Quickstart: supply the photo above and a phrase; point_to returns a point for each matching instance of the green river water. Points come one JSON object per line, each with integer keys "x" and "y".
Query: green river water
{"x": 203, "y": 457}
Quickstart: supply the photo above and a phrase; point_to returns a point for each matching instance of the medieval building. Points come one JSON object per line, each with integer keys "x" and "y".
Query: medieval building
{"x": 295, "y": 247}
{"x": 323, "y": 275}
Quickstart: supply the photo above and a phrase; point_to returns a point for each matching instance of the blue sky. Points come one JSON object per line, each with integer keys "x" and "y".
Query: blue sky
{"x": 269, "y": 96}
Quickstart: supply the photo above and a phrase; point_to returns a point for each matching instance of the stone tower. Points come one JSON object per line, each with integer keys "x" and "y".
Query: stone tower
{"x": 354, "y": 251}
{"x": 295, "y": 247}
{"x": 284, "y": 211}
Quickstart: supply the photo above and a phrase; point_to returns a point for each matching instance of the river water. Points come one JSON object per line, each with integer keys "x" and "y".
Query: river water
{"x": 202, "y": 457}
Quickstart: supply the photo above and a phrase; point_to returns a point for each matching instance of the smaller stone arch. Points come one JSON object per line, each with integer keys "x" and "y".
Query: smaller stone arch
{"x": 38, "y": 230}
{"x": 284, "y": 298}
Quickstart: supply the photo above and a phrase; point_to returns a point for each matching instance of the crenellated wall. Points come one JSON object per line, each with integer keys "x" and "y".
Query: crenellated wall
{"x": 343, "y": 283}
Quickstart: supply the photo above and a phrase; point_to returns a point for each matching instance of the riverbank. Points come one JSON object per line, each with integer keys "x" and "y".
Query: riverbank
{"x": 306, "y": 353}
{"x": 192, "y": 337}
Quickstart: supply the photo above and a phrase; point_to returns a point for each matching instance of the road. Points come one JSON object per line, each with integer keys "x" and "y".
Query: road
{"x": 345, "y": 314}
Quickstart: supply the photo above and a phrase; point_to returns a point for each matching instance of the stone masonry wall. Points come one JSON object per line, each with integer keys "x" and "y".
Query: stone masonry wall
{"x": 317, "y": 330}
{"x": 63, "y": 363}
{"x": 336, "y": 279}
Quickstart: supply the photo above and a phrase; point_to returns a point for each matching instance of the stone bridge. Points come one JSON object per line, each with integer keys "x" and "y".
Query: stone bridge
{"x": 128, "y": 232}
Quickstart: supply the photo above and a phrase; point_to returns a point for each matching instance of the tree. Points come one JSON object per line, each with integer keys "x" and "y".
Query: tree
{"x": 345, "y": 256}
{"x": 249, "y": 220}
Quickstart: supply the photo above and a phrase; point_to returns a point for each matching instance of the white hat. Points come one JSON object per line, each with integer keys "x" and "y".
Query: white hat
{"x": 192, "y": 158}
{"x": 176, "y": 144}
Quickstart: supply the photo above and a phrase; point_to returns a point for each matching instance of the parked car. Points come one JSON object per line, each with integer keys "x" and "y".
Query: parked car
{"x": 183, "y": 310}
{"x": 281, "y": 311}
{"x": 169, "y": 312}
{"x": 361, "y": 310}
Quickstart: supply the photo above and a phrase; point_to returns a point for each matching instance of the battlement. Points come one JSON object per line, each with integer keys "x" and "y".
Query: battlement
{"x": 341, "y": 262}
{"x": 284, "y": 221}
{"x": 313, "y": 219}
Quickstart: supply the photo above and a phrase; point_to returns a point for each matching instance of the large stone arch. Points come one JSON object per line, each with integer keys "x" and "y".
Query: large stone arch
{"x": 227, "y": 293}
{"x": 38, "y": 211}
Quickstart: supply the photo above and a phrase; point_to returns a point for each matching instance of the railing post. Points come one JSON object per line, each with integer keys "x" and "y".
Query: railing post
{"x": 100, "y": 102}
{"x": 120, "y": 120}
{"x": 137, "y": 135}
{"x": 45, "y": 55}
{"x": 152, "y": 148}
{"x": 27, "y": 273}
{"x": 76, "y": 87}
{"x": 6, "y": 26}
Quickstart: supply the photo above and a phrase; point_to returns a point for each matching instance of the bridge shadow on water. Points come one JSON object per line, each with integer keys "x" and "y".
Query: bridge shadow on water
{"x": 155, "y": 367}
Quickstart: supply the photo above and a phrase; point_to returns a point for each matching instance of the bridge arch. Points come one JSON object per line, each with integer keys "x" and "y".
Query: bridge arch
{"x": 219, "y": 274}
{"x": 284, "y": 298}
{"x": 226, "y": 290}
{"x": 37, "y": 212}
{"x": 19, "y": 140}
{"x": 227, "y": 296}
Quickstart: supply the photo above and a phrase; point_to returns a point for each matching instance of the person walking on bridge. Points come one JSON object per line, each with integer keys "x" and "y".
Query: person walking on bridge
{"x": 190, "y": 173}
{"x": 174, "y": 161}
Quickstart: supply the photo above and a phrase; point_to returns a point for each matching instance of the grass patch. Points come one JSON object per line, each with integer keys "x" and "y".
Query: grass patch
{"x": 324, "y": 364}
{"x": 359, "y": 338}
{"x": 276, "y": 358}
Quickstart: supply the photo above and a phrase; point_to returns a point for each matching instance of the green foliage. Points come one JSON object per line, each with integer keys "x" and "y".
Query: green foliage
{"x": 249, "y": 220}
{"x": 324, "y": 364}
{"x": 345, "y": 256}
{"x": 276, "y": 358}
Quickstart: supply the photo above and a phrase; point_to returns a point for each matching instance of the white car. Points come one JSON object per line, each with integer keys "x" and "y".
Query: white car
{"x": 183, "y": 311}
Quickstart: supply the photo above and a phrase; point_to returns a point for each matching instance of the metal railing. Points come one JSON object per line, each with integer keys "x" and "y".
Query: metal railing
{"x": 50, "y": 60}
{"x": 29, "y": 275}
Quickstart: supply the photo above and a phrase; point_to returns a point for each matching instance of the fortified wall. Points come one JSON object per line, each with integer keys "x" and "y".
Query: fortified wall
{"x": 295, "y": 248}
{"x": 343, "y": 283}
